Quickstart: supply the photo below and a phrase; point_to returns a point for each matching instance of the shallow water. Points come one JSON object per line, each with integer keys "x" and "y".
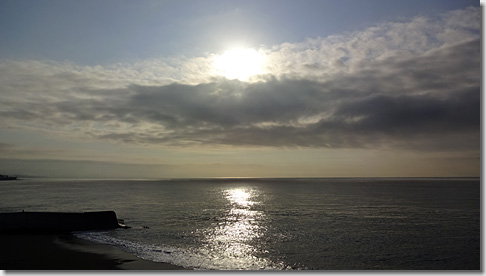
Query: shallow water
{"x": 317, "y": 223}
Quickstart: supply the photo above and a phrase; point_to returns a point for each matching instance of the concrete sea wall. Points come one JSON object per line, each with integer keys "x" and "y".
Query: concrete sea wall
{"x": 57, "y": 221}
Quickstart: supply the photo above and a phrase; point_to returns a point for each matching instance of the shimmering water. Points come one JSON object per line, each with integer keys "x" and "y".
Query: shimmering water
{"x": 325, "y": 223}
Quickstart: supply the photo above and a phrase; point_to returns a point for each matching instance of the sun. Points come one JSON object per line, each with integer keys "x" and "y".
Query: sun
{"x": 239, "y": 63}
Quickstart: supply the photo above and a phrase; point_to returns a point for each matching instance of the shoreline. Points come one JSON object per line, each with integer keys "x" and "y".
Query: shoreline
{"x": 27, "y": 252}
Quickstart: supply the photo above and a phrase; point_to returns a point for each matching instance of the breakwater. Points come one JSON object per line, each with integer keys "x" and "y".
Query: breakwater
{"x": 55, "y": 222}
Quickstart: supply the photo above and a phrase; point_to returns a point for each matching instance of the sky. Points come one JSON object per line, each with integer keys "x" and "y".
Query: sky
{"x": 267, "y": 88}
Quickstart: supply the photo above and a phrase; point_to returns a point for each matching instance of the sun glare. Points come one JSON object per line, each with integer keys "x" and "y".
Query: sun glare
{"x": 241, "y": 64}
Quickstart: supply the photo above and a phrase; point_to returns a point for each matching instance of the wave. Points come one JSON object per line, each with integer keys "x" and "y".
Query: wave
{"x": 191, "y": 259}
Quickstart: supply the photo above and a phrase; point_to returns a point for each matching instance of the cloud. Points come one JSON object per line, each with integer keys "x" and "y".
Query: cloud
{"x": 412, "y": 85}
{"x": 351, "y": 52}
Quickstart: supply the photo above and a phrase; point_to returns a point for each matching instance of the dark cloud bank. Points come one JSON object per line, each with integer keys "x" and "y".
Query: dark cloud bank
{"x": 431, "y": 102}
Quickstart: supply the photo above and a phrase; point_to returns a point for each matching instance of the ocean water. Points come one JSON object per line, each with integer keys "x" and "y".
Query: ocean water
{"x": 274, "y": 224}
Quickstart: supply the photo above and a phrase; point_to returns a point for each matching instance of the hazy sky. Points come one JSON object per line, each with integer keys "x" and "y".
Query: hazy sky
{"x": 155, "y": 89}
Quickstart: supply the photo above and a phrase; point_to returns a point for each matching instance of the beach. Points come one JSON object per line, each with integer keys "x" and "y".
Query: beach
{"x": 66, "y": 252}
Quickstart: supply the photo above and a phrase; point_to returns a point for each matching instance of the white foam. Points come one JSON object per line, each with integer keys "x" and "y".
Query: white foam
{"x": 201, "y": 259}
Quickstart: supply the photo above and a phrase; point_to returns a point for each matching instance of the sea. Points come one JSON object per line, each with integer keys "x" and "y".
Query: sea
{"x": 275, "y": 224}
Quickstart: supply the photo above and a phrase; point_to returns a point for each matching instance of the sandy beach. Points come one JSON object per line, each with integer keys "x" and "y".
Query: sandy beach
{"x": 66, "y": 252}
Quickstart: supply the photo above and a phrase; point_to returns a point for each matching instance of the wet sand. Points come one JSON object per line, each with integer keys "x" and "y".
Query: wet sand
{"x": 66, "y": 252}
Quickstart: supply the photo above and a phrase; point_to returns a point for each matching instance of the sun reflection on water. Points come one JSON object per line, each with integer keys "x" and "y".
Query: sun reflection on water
{"x": 239, "y": 197}
{"x": 241, "y": 223}
{"x": 233, "y": 240}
